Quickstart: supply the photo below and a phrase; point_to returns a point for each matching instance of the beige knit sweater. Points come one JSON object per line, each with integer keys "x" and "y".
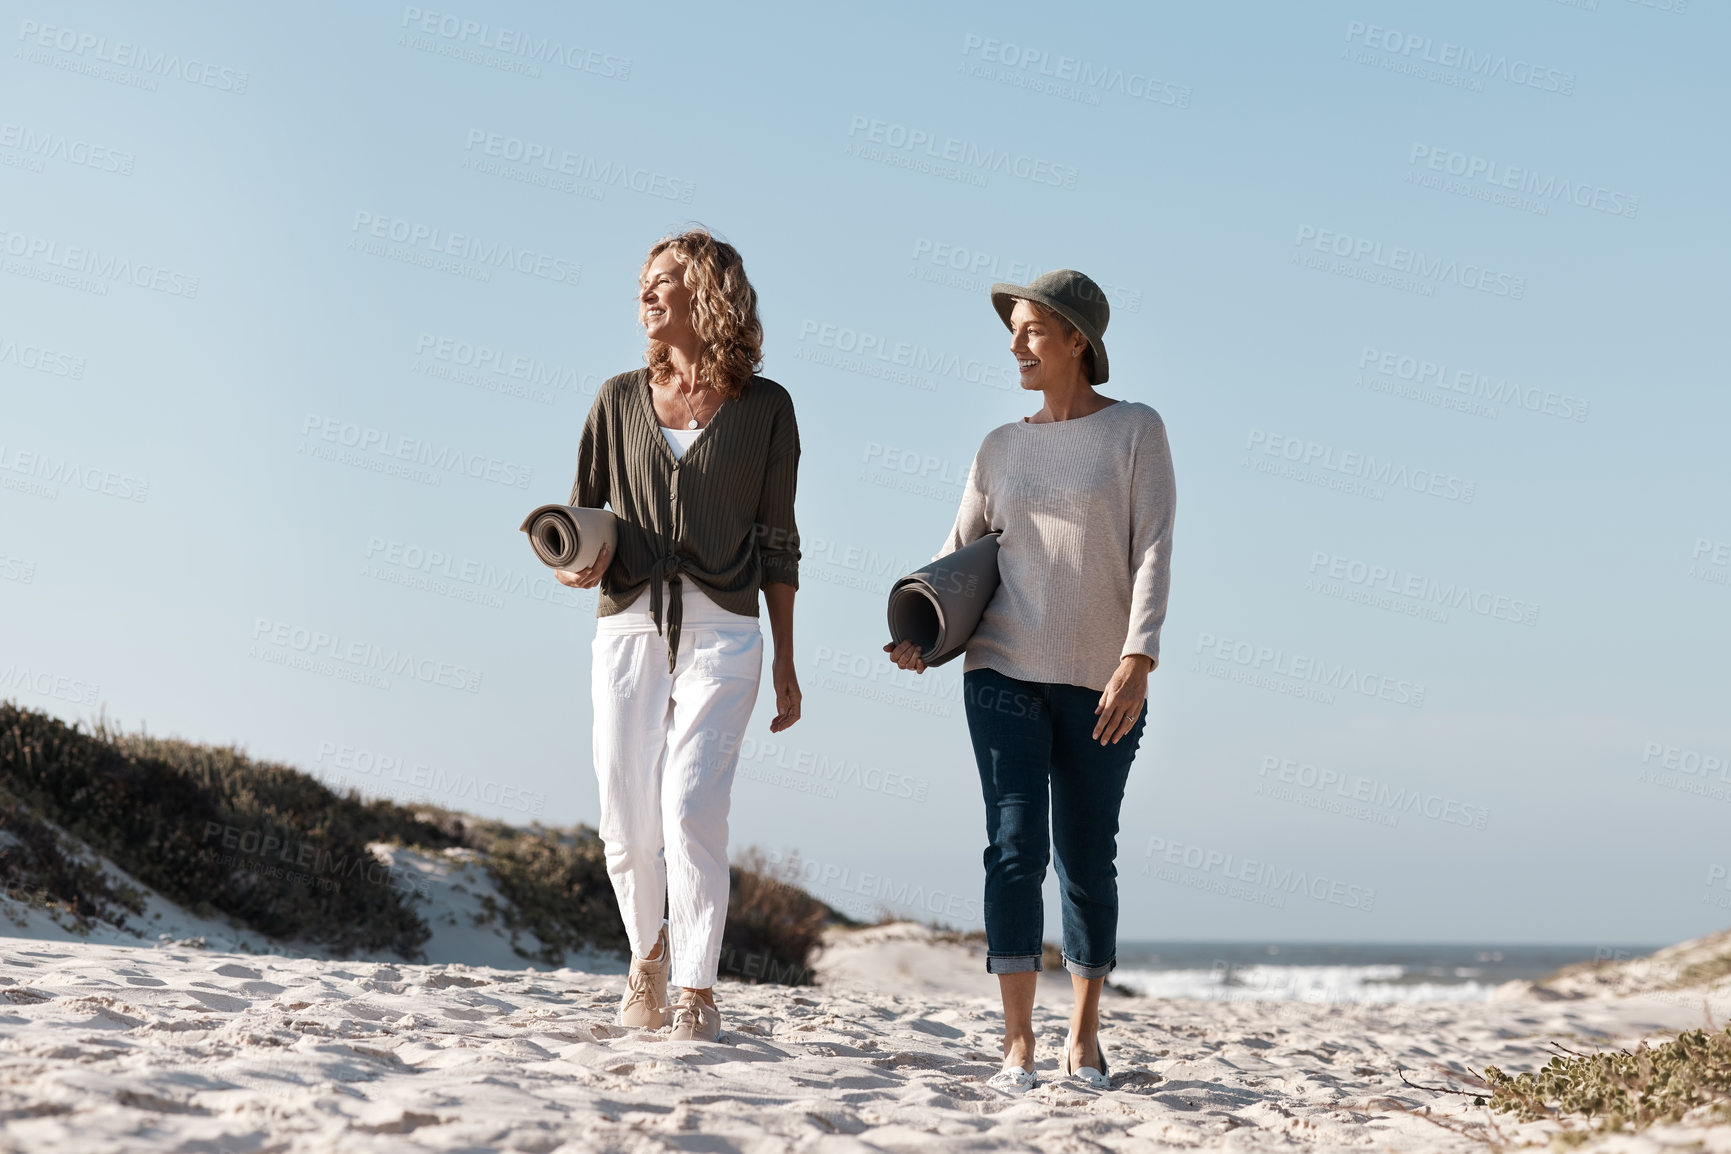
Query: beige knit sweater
{"x": 1085, "y": 507}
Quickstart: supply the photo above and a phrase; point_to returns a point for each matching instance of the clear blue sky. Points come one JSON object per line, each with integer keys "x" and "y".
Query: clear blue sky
{"x": 1366, "y": 259}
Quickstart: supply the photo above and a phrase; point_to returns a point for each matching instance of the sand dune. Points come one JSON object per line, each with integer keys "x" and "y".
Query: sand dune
{"x": 449, "y": 888}
{"x": 108, "y": 1048}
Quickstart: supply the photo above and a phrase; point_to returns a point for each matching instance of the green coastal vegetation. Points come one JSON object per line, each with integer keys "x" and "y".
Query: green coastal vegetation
{"x": 273, "y": 850}
{"x": 1623, "y": 1089}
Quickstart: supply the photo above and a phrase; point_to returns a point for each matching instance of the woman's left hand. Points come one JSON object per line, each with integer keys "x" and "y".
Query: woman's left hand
{"x": 787, "y": 695}
{"x": 586, "y": 578}
{"x": 1122, "y": 702}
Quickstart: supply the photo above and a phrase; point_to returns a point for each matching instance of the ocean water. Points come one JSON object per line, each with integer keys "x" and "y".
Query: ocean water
{"x": 1357, "y": 972}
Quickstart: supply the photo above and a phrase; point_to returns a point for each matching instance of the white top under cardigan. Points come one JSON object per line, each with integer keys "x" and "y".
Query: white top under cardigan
{"x": 1085, "y": 507}
{"x": 679, "y": 440}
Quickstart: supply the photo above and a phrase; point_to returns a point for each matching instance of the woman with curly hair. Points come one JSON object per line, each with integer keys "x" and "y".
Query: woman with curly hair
{"x": 697, "y": 456}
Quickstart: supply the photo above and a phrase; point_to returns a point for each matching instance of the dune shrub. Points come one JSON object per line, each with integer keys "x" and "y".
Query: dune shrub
{"x": 37, "y": 869}
{"x": 1623, "y": 1089}
{"x": 278, "y": 852}
{"x": 774, "y": 928}
{"x": 215, "y": 831}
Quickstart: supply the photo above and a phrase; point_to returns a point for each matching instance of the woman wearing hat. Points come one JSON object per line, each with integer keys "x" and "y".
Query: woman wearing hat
{"x": 1056, "y": 675}
{"x": 697, "y": 456}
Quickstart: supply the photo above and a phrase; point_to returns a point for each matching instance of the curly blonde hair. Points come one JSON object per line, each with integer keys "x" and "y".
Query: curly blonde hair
{"x": 723, "y": 312}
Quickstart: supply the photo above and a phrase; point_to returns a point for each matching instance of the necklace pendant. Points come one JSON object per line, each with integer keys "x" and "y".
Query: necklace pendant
{"x": 693, "y": 423}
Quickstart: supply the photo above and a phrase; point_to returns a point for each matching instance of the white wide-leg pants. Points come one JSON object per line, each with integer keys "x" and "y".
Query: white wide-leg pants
{"x": 666, "y": 745}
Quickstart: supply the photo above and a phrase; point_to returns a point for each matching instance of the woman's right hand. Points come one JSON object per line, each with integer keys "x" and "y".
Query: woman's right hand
{"x": 906, "y": 655}
{"x": 586, "y": 578}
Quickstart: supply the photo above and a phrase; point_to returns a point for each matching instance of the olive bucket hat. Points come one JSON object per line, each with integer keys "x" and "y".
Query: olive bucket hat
{"x": 1073, "y": 296}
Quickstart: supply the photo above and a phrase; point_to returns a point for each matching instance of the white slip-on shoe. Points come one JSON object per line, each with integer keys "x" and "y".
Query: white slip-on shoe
{"x": 695, "y": 1019}
{"x": 1100, "y": 1079}
{"x": 1012, "y": 1080}
{"x": 645, "y": 1004}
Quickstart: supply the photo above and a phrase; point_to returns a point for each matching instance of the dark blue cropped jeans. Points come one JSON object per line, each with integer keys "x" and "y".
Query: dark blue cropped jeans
{"x": 1040, "y": 767}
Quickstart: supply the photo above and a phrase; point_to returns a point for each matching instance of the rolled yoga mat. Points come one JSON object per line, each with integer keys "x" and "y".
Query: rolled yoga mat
{"x": 567, "y": 537}
{"x": 939, "y": 607}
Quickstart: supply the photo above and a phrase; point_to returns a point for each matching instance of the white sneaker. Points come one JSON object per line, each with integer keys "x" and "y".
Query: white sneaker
{"x": 1100, "y": 1079}
{"x": 645, "y": 1005}
{"x": 1013, "y": 1080}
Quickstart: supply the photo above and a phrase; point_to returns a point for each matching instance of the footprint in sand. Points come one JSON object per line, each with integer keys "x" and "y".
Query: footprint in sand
{"x": 236, "y": 970}
{"x": 440, "y": 981}
{"x": 463, "y": 1015}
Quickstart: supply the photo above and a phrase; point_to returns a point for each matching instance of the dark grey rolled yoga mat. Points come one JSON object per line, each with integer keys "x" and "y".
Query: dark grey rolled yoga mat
{"x": 939, "y": 607}
{"x": 567, "y": 537}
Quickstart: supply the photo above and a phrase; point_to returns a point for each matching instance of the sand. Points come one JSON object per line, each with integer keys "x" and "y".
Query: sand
{"x": 106, "y": 1047}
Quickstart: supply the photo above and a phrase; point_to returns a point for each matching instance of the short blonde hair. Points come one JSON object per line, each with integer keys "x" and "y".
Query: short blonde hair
{"x": 723, "y": 312}
{"x": 1068, "y": 330}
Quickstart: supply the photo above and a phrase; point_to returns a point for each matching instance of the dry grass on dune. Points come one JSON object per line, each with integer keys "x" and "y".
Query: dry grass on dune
{"x": 37, "y": 869}
{"x": 211, "y": 829}
{"x": 774, "y": 929}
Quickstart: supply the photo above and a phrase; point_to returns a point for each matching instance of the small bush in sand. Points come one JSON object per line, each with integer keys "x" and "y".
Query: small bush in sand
{"x": 1623, "y": 1090}
{"x": 556, "y": 886}
{"x": 774, "y": 928}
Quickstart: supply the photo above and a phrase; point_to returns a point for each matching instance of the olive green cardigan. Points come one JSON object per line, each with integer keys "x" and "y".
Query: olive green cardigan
{"x": 721, "y": 516}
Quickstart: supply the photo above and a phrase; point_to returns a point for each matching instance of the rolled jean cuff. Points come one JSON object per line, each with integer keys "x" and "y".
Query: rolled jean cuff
{"x": 1013, "y": 963}
{"x": 1089, "y": 972}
